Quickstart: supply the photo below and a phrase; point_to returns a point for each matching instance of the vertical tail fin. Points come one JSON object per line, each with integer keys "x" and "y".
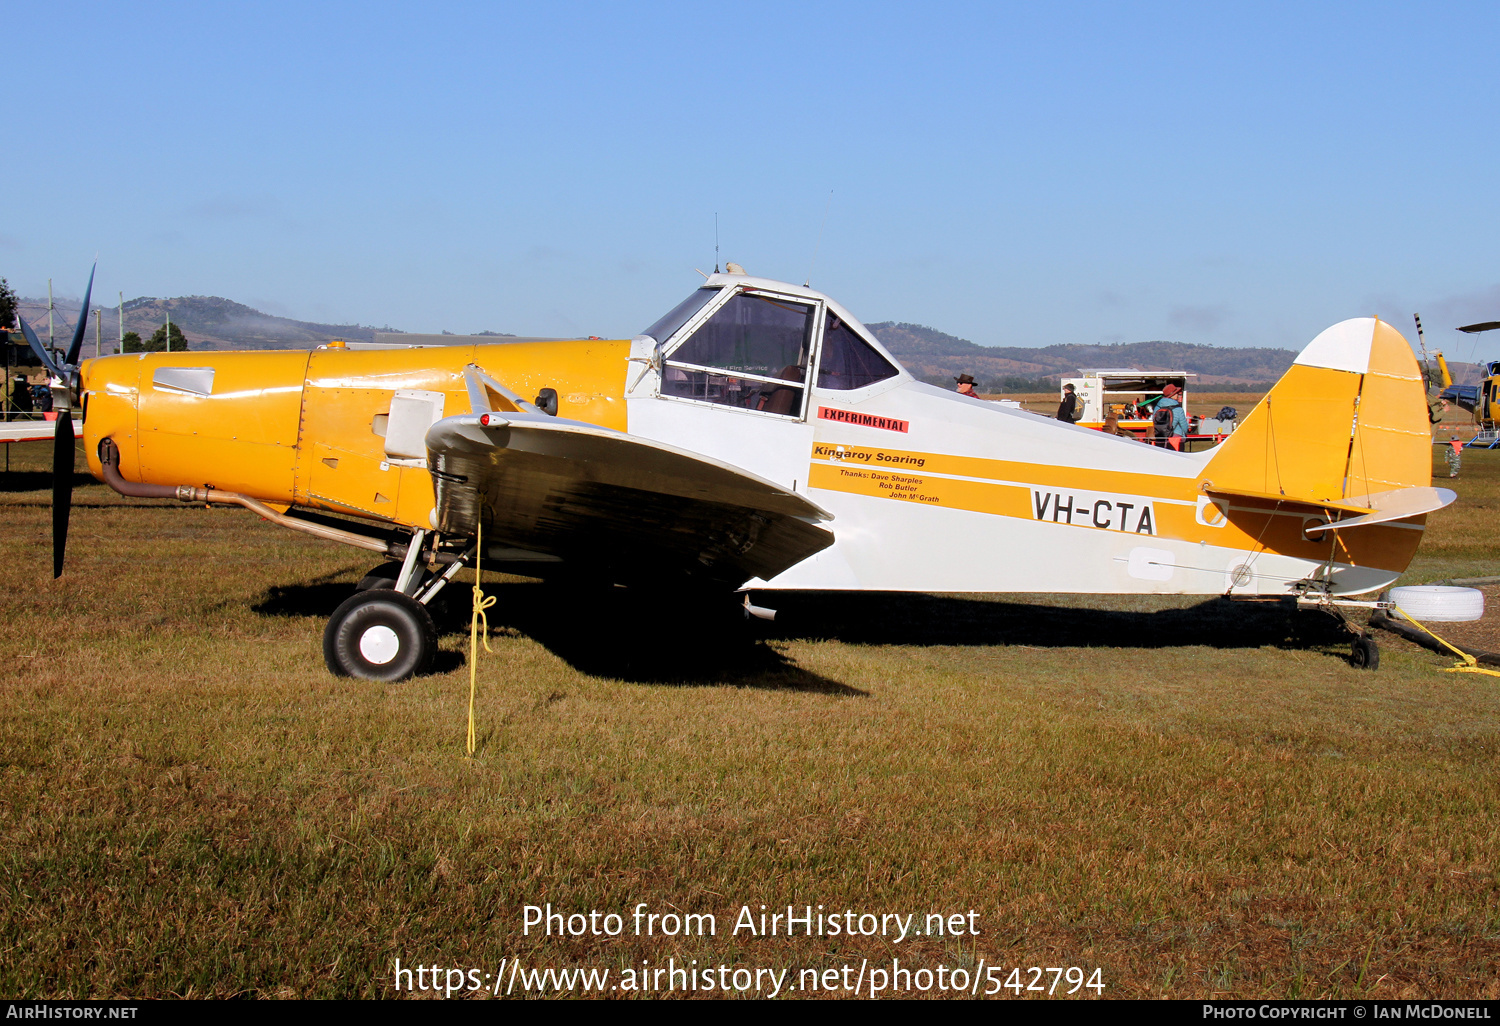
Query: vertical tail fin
{"x": 1349, "y": 419}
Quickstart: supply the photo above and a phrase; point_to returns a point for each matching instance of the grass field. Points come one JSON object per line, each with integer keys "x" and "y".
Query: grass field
{"x": 1192, "y": 798}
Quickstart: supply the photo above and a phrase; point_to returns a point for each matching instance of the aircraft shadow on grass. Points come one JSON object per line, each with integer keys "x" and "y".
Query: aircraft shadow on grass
{"x": 38, "y": 480}
{"x": 895, "y": 618}
{"x": 602, "y": 632}
{"x": 618, "y": 633}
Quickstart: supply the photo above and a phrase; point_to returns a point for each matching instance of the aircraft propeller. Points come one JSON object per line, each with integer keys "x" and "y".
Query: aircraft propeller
{"x": 64, "y": 445}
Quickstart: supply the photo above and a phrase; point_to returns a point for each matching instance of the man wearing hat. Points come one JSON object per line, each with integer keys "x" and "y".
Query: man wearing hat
{"x": 1170, "y": 419}
{"x": 1068, "y": 408}
{"x": 966, "y": 385}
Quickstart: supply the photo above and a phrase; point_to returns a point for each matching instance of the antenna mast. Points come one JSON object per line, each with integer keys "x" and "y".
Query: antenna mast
{"x": 716, "y": 242}
{"x": 1421, "y": 341}
{"x": 819, "y": 244}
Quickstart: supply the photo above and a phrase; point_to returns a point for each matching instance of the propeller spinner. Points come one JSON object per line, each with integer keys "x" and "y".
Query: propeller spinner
{"x": 63, "y": 442}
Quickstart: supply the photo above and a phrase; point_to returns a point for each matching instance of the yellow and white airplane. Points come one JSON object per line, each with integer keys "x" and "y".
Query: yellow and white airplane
{"x": 758, "y": 437}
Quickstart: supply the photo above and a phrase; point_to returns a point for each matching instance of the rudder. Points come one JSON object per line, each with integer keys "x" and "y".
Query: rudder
{"x": 1349, "y": 419}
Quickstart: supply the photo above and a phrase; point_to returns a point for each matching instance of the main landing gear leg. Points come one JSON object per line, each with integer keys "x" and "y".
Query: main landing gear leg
{"x": 384, "y": 632}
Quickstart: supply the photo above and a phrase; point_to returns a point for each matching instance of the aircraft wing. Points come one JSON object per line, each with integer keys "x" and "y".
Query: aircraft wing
{"x": 611, "y": 503}
{"x": 35, "y": 430}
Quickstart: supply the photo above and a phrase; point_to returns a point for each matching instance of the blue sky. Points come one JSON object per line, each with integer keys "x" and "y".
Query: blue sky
{"x": 1021, "y": 174}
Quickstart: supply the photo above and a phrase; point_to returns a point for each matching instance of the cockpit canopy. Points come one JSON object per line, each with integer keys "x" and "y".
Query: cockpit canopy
{"x": 752, "y": 347}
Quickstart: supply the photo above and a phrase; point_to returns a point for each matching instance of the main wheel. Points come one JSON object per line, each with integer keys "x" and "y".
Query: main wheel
{"x": 379, "y": 635}
{"x": 1365, "y": 655}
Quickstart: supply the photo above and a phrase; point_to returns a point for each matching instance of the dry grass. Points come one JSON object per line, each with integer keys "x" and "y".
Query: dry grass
{"x": 1197, "y": 799}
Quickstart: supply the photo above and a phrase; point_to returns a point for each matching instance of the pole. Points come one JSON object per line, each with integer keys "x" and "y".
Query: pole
{"x": 169, "y": 331}
{"x": 49, "y": 313}
{"x": 122, "y": 324}
{"x": 98, "y": 330}
{"x": 1426, "y": 365}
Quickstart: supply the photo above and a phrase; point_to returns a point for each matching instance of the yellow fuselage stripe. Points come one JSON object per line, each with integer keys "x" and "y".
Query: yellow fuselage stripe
{"x": 1005, "y": 488}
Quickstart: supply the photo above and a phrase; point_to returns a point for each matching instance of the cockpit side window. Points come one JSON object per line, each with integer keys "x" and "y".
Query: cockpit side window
{"x": 752, "y": 353}
{"x": 848, "y": 361}
{"x": 680, "y": 314}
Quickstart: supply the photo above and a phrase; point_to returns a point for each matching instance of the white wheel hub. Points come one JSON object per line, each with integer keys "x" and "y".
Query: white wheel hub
{"x": 379, "y": 644}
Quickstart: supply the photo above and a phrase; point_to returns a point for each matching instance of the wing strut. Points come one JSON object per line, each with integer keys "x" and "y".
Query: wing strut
{"x": 479, "y": 400}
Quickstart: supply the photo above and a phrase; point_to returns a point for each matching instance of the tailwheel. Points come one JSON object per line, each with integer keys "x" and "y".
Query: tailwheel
{"x": 1365, "y": 655}
{"x": 379, "y": 635}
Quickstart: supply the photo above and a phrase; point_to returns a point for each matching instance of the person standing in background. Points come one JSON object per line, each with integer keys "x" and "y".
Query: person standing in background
{"x": 1170, "y": 419}
{"x": 966, "y": 385}
{"x": 1067, "y": 410}
{"x": 20, "y": 396}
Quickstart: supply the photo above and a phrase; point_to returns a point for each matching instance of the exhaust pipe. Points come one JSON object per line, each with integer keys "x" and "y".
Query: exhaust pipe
{"x": 109, "y": 460}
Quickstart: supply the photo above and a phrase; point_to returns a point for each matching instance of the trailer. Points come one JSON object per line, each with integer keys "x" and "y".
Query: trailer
{"x": 1130, "y": 393}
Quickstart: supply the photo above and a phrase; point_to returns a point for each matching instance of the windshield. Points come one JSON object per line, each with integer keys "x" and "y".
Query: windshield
{"x": 848, "y": 360}
{"x": 680, "y": 314}
{"x": 752, "y": 353}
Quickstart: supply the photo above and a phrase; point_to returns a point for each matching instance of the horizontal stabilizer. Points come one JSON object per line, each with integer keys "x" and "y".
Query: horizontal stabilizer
{"x": 1342, "y": 505}
{"x": 1397, "y": 504}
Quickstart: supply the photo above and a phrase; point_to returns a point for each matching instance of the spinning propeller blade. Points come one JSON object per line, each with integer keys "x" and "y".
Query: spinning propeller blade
{"x": 63, "y": 450}
{"x": 64, "y": 444}
{"x": 39, "y": 349}
{"x": 83, "y": 320}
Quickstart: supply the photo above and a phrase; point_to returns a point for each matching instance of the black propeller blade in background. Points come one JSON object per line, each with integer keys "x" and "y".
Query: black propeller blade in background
{"x": 63, "y": 451}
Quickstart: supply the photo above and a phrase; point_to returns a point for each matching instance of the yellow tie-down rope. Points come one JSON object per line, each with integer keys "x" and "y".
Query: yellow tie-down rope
{"x": 1467, "y": 664}
{"x": 481, "y": 603}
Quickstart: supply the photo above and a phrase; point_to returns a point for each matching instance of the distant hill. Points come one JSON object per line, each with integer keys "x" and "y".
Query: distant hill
{"x": 933, "y": 355}
{"x": 214, "y": 323}
{"x": 929, "y": 353}
{"x": 209, "y": 323}
{"x": 228, "y": 323}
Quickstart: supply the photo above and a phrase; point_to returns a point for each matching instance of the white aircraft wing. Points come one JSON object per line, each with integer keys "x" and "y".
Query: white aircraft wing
{"x": 612, "y": 503}
{"x": 35, "y": 430}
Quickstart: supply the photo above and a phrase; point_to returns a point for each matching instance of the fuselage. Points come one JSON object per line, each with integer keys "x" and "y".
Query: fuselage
{"x": 929, "y": 490}
{"x": 312, "y": 429}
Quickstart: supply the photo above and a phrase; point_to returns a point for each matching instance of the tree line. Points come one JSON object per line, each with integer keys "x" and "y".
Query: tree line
{"x": 157, "y": 343}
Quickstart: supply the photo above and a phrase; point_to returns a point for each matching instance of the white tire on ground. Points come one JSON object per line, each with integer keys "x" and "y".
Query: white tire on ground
{"x": 1439, "y": 604}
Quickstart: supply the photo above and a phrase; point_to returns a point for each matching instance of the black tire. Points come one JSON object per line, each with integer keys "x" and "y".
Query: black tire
{"x": 1365, "y": 655}
{"x": 379, "y": 635}
{"x": 383, "y": 576}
